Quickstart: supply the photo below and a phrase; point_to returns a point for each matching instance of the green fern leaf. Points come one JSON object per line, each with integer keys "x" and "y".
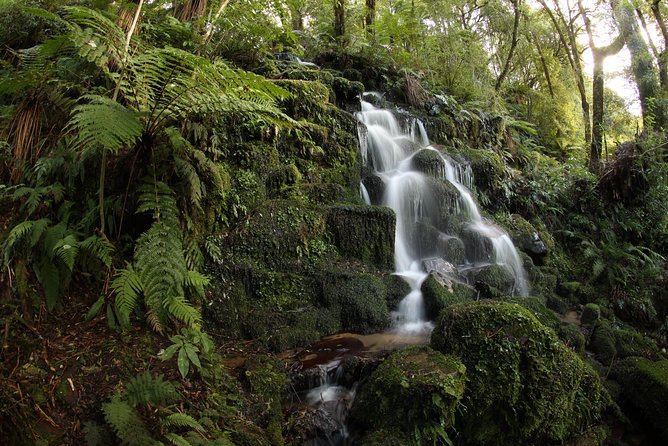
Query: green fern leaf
{"x": 38, "y": 230}
{"x": 197, "y": 281}
{"x": 17, "y": 233}
{"x": 104, "y": 124}
{"x": 126, "y": 423}
{"x": 177, "y": 440}
{"x": 127, "y": 286}
{"x": 179, "y": 419}
{"x": 182, "y": 310}
{"x": 99, "y": 248}
{"x": 148, "y": 389}
{"x": 49, "y": 276}
{"x": 52, "y": 236}
{"x": 66, "y": 250}
{"x": 597, "y": 268}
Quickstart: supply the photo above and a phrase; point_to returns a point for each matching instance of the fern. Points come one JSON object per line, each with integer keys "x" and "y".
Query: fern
{"x": 177, "y": 440}
{"x": 66, "y": 249}
{"x": 127, "y": 286}
{"x": 182, "y": 310}
{"x": 99, "y": 248}
{"x": 126, "y": 423}
{"x": 182, "y": 420}
{"x": 146, "y": 389}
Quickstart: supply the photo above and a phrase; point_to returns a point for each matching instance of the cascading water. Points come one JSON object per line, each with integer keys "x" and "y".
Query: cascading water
{"x": 389, "y": 151}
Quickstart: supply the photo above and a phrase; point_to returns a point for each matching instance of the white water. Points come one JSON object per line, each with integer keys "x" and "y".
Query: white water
{"x": 388, "y": 150}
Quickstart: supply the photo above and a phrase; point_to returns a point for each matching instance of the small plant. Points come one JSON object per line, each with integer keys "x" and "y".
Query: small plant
{"x": 191, "y": 344}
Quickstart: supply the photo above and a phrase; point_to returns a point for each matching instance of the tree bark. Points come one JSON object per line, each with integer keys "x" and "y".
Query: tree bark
{"x": 513, "y": 44}
{"x": 543, "y": 64}
{"x": 658, "y": 17}
{"x": 370, "y": 16}
{"x": 339, "y": 18}
{"x": 642, "y": 66}
{"x": 573, "y": 57}
{"x": 658, "y": 56}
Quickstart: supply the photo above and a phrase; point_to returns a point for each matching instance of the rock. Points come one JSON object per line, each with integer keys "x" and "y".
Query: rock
{"x": 644, "y": 392}
{"x": 313, "y": 423}
{"x": 428, "y": 162}
{"x": 493, "y": 280}
{"x": 414, "y": 389}
{"x": 364, "y": 232}
{"x": 374, "y": 186}
{"x": 437, "y": 297}
{"x": 590, "y": 314}
{"x": 524, "y": 386}
{"x": 444, "y": 272}
{"x": 602, "y": 342}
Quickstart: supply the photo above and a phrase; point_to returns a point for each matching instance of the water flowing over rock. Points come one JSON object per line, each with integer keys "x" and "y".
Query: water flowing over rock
{"x": 436, "y": 215}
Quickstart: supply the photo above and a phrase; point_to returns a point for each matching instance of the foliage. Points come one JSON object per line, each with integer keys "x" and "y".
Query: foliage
{"x": 192, "y": 346}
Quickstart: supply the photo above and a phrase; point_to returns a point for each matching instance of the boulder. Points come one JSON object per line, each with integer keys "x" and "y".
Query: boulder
{"x": 524, "y": 386}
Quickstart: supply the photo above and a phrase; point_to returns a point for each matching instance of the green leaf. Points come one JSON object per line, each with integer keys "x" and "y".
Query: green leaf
{"x": 49, "y": 277}
{"x": 169, "y": 352}
{"x": 191, "y": 351}
{"x": 183, "y": 363}
{"x": 95, "y": 309}
{"x": 127, "y": 286}
{"x": 177, "y": 440}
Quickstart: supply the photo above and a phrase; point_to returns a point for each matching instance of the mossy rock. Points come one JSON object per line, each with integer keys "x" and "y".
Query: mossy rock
{"x": 374, "y": 185}
{"x": 644, "y": 387}
{"x": 364, "y": 232}
{"x": 524, "y": 385}
{"x": 323, "y": 193}
{"x": 384, "y": 437}
{"x": 428, "y": 162}
{"x": 591, "y": 313}
{"x": 537, "y": 307}
{"x": 495, "y": 277}
{"x": 279, "y": 234}
{"x": 636, "y": 308}
{"x": 572, "y": 337}
{"x": 397, "y": 289}
{"x": 359, "y": 298}
{"x": 414, "y": 389}
{"x": 308, "y": 97}
{"x": 437, "y": 297}
{"x": 631, "y": 343}
{"x": 525, "y": 236}
{"x": 245, "y": 433}
{"x": 602, "y": 342}
{"x": 267, "y": 382}
{"x": 281, "y": 178}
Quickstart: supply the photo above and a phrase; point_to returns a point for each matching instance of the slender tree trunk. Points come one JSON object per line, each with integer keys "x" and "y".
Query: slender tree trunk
{"x": 513, "y": 44}
{"x": 186, "y": 10}
{"x": 598, "y": 89}
{"x": 642, "y": 66}
{"x": 656, "y": 12}
{"x": 370, "y": 16}
{"x": 209, "y": 31}
{"x": 658, "y": 56}
{"x": 339, "y": 18}
{"x": 543, "y": 64}
{"x": 573, "y": 57}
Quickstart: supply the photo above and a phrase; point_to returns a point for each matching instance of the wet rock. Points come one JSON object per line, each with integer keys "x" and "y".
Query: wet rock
{"x": 437, "y": 297}
{"x": 364, "y": 232}
{"x": 428, "y": 162}
{"x": 312, "y": 423}
{"x": 374, "y": 186}
{"x": 444, "y": 272}
{"x": 492, "y": 280}
{"x": 413, "y": 389}
{"x": 523, "y": 385}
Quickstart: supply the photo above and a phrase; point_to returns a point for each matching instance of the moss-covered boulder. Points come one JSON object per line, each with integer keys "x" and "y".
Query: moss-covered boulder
{"x": 437, "y": 297}
{"x": 397, "y": 289}
{"x": 644, "y": 392}
{"x": 414, "y": 389}
{"x": 525, "y": 236}
{"x": 537, "y": 307}
{"x": 524, "y": 385}
{"x": 496, "y": 278}
{"x": 384, "y": 437}
{"x": 428, "y": 162}
{"x": 358, "y": 298}
{"x": 364, "y": 232}
{"x": 591, "y": 313}
{"x": 602, "y": 342}
{"x": 572, "y": 336}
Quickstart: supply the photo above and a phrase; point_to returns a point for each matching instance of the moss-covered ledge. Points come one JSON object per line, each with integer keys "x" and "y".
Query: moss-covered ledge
{"x": 363, "y": 232}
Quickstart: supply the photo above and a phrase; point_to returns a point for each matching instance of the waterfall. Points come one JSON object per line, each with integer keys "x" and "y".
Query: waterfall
{"x": 388, "y": 148}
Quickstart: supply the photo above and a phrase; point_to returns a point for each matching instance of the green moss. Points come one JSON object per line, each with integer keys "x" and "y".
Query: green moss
{"x": 414, "y": 389}
{"x": 590, "y": 314}
{"x": 364, "y": 232}
{"x": 602, "y": 342}
{"x": 428, "y": 162}
{"x": 397, "y": 289}
{"x": 572, "y": 337}
{"x": 437, "y": 297}
{"x": 632, "y": 343}
{"x": 384, "y": 437}
{"x": 359, "y": 298}
{"x": 537, "y": 308}
{"x": 644, "y": 392}
{"x": 308, "y": 97}
{"x": 497, "y": 278}
{"x": 524, "y": 385}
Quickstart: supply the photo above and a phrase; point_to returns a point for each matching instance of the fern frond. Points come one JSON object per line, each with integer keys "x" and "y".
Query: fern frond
{"x": 154, "y": 321}
{"x": 177, "y": 440}
{"x": 127, "y": 286}
{"x": 158, "y": 198}
{"x": 126, "y": 422}
{"x": 104, "y": 124}
{"x": 149, "y": 389}
{"x": 597, "y": 268}
{"x": 52, "y": 236}
{"x": 179, "y": 419}
{"x": 98, "y": 247}
{"x": 17, "y": 233}
{"x": 66, "y": 250}
{"x": 197, "y": 281}
{"x": 182, "y": 310}
{"x": 99, "y": 27}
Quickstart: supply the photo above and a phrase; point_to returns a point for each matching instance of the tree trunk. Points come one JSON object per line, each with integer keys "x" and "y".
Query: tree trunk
{"x": 370, "y": 16}
{"x": 658, "y": 56}
{"x": 656, "y": 12}
{"x": 573, "y": 57}
{"x": 339, "y": 18}
{"x": 513, "y": 44}
{"x": 543, "y": 64}
{"x": 598, "y": 89}
{"x": 642, "y": 66}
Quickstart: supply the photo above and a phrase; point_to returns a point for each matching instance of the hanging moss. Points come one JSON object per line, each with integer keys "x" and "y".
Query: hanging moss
{"x": 644, "y": 387}
{"x": 364, "y": 232}
{"x": 415, "y": 390}
{"x": 524, "y": 386}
